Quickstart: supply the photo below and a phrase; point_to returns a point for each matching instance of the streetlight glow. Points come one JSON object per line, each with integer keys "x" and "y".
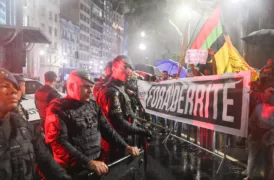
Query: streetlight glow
{"x": 183, "y": 11}
{"x": 142, "y": 46}
{"x": 42, "y": 53}
{"x": 64, "y": 61}
{"x": 143, "y": 34}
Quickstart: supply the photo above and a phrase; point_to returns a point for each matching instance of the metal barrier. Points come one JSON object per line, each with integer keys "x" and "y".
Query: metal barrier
{"x": 223, "y": 157}
{"x": 126, "y": 168}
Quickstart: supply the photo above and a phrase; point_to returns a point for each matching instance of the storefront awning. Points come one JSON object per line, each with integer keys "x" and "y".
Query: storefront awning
{"x": 30, "y": 34}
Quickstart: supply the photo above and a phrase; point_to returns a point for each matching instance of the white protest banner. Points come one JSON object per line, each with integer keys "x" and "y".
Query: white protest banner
{"x": 196, "y": 56}
{"x": 29, "y": 105}
{"x": 219, "y": 102}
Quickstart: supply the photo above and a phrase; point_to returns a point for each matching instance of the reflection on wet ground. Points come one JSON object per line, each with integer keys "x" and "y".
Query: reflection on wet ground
{"x": 183, "y": 161}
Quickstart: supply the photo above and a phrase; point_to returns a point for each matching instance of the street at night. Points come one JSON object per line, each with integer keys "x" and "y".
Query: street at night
{"x": 182, "y": 161}
{"x": 136, "y": 90}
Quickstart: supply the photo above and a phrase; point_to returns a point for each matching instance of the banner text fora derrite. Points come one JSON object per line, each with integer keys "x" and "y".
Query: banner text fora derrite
{"x": 217, "y": 102}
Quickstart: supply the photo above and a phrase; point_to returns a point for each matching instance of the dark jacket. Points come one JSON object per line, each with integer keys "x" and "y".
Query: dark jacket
{"x": 43, "y": 97}
{"x": 74, "y": 130}
{"x": 21, "y": 148}
{"x": 116, "y": 106}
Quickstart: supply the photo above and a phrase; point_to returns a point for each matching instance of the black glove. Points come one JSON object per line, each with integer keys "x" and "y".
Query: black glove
{"x": 148, "y": 133}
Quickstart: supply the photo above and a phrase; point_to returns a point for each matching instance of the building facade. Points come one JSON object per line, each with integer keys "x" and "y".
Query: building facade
{"x": 107, "y": 32}
{"x": 10, "y": 12}
{"x": 70, "y": 34}
{"x": 78, "y": 12}
{"x": 96, "y": 35}
{"x": 2, "y": 11}
{"x": 43, "y": 58}
{"x": 117, "y": 34}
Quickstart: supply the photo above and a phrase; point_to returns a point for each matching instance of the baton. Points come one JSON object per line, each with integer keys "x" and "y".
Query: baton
{"x": 110, "y": 165}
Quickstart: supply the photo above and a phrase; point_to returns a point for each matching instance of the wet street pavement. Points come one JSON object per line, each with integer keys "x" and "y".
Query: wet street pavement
{"x": 182, "y": 161}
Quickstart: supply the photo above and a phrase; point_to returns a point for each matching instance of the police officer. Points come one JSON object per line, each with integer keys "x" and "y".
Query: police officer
{"x": 131, "y": 88}
{"x": 74, "y": 126}
{"x": 20, "y": 146}
{"x": 116, "y": 104}
{"x": 21, "y": 96}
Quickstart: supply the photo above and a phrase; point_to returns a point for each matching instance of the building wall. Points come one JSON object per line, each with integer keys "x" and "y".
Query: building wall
{"x": 47, "y": 18}
{"x": 117, "y": 34}
{"x": 69, "y": 43}
{"x": 107, "y": 32}
{"x": 96, "y": 35}
{"x": 2, "y": 11}
{"x": 10, "y": 12}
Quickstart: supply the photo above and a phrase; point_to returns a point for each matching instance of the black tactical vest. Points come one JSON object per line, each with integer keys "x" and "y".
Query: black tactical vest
{"x": 125, "y": 102}
{"x": 83, "y": 129}
{"x": 16, "y": 151}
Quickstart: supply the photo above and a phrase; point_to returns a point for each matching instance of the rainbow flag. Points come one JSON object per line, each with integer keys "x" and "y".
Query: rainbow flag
{"x": 227, "y": 57}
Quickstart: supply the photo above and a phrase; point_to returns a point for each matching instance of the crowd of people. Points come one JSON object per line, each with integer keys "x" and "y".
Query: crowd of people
{"x": 96, "y": 122}
{"x": 84, "y": 131}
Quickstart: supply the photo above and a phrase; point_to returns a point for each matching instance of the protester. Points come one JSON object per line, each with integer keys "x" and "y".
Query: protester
{"x": 46, "y": 94}
{"x": 153, "y": 79}
{"x": 260, "y": 142}
{"x": 116, "y": 104}
{"x": 21, "y": 96}
{"x": 20, "y": 146}
{"x": 164, "y": 75}
{"x": 74, "y": 126}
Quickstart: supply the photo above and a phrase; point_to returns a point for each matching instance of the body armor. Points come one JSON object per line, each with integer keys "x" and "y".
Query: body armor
{"x": 117, "y": 90}
{"x": 16, "y": 151}
{"x": 116, "y": 106}
{"x": 83, "y": 127}
{"x": 81, "y": 123}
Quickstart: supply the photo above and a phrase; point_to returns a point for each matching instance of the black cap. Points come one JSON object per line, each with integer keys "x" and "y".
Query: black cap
{"x": 83, "y": 75}
{"x": 8, "y": 76}
{"x": 19, "y": 78}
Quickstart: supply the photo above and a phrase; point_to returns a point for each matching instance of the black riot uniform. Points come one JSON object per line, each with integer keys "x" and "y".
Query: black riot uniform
{"x": 116, "y": 106}
{"x": 22, "y": 149}
{"x": 131, "y": 88}
{"x": 74, "y": 130}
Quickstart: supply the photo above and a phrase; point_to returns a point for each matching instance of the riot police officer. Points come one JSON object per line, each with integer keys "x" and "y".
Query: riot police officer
{"x": 74, "y": 126}
{"x": 21, "y": 148}
{"x": 116, "y": 104}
